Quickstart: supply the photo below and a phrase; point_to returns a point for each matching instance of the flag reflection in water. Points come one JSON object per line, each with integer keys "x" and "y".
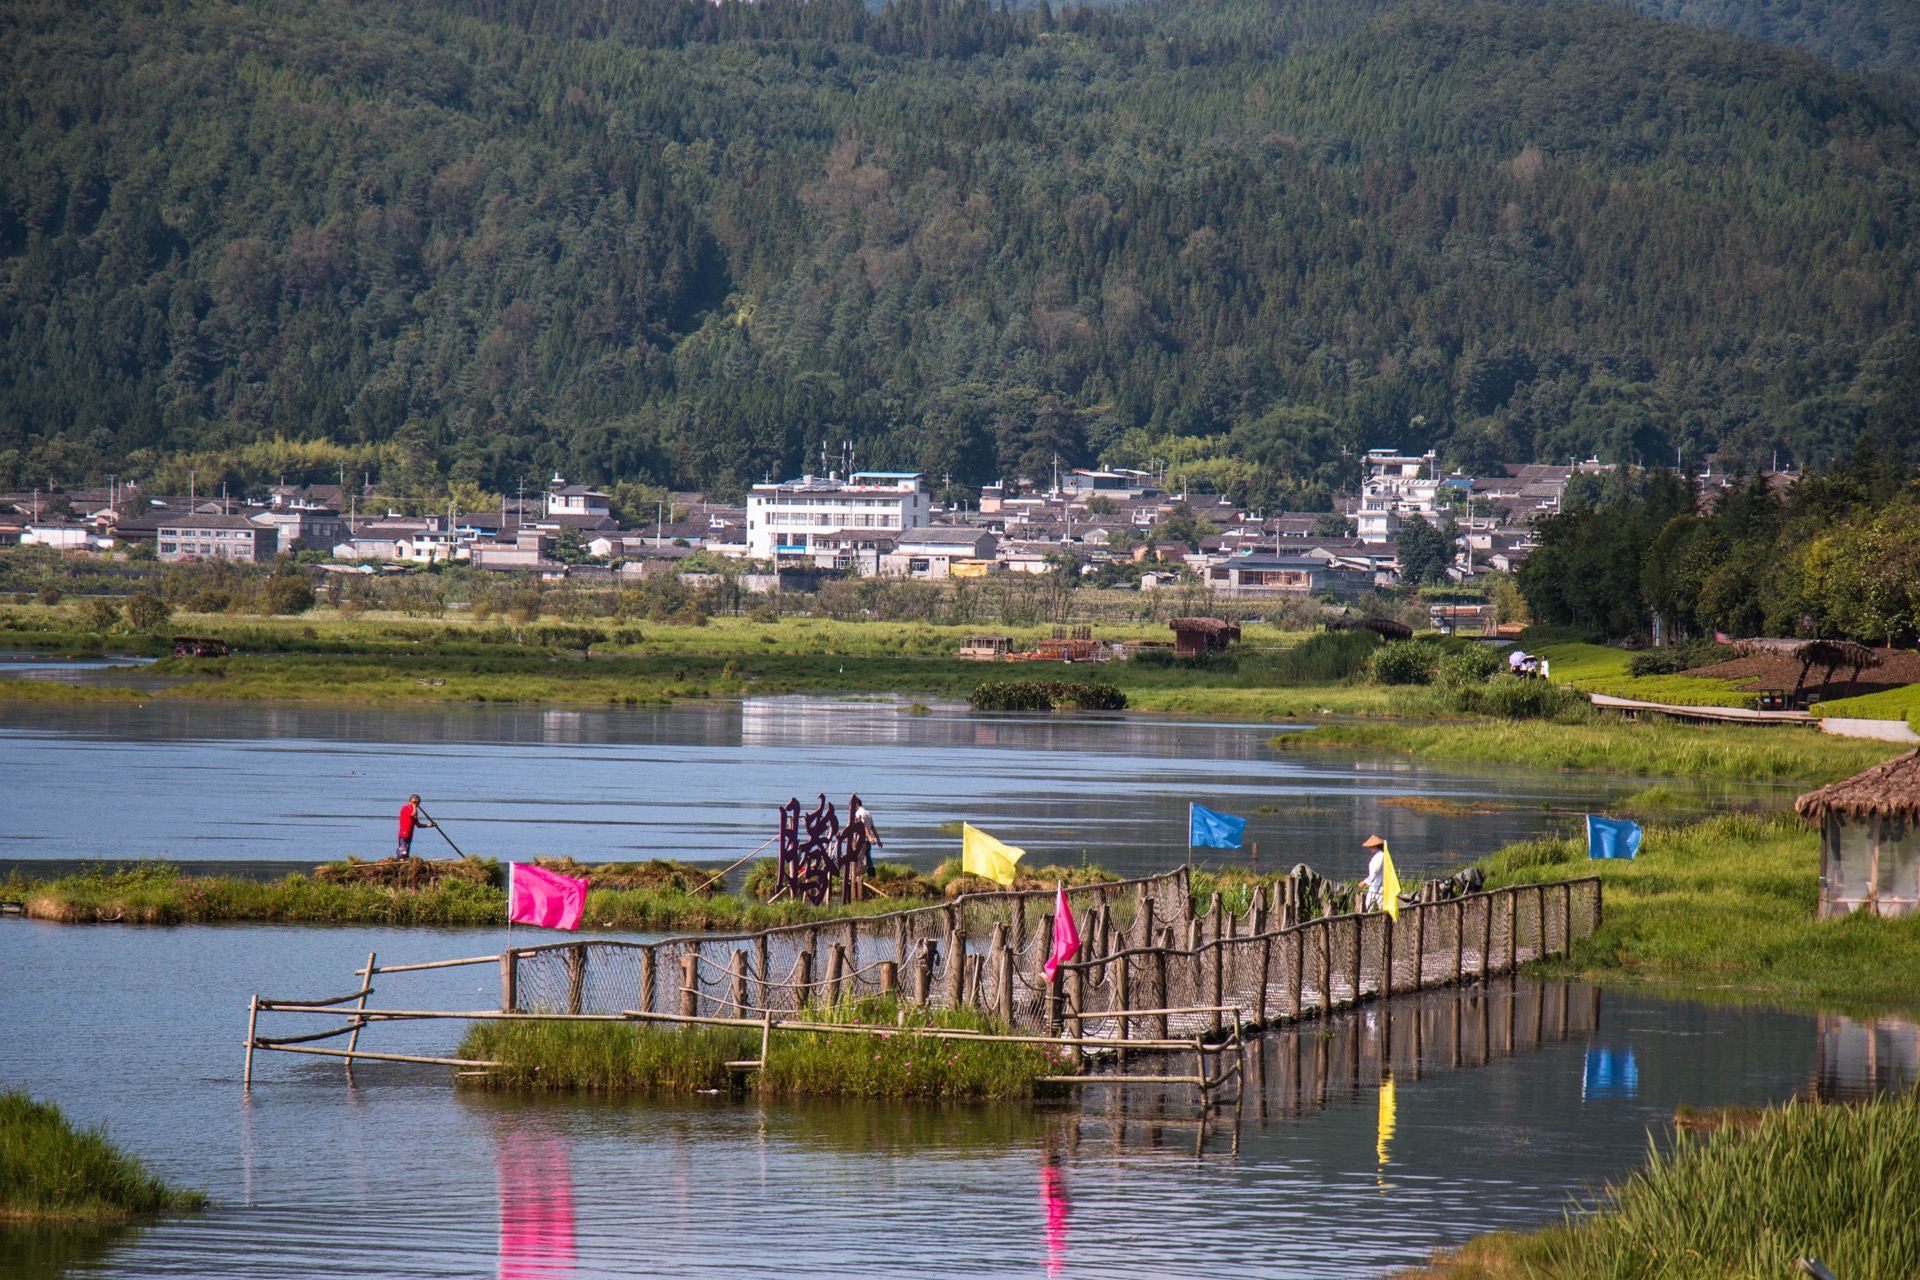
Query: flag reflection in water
{"x": 536, "y": 1206}
{"x": 1053, "y": 1195}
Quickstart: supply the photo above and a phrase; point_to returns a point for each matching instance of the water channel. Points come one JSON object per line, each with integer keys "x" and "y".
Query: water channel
{"x": 279, "y": 786}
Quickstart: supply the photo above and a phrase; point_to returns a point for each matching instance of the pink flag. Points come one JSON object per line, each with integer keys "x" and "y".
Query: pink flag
{"x": 536, "y": 895}
{"x": 1066, "y": 938}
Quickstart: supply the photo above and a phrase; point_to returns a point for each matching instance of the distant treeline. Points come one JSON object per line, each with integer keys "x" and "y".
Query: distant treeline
{"x": 472, "y": 242}
{"x": 1836, "y": 555}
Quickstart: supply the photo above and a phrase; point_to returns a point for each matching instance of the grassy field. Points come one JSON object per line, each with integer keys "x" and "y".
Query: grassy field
{"x": 1605, "y": 745}
{"x": 1726, "y": 905}
{"x": 1597, "y": 669}
{"x": 1835, "y": 1183}
{"x": 1892, "y": 704}
{"x": 51, "y": 1172}
{"x": 628, "y": 1058}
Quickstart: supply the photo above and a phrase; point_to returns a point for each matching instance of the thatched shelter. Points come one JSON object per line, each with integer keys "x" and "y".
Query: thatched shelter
{"x": 1869, "y": 839}
{"x": 1193, "y": 637}
{"x": 1385, "y": 628}
{"x": 1831, "y": 654}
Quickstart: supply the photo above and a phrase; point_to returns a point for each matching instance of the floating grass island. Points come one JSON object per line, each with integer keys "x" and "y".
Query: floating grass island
{"x": 896, "y": 1061}
{"x": 53, "y": 1173}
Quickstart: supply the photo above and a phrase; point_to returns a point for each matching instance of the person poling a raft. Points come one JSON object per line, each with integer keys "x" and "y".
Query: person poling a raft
{"x": 410, "y": 817}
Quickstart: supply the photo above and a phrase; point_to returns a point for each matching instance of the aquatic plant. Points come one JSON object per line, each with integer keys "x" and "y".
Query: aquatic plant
{"x": 52, "y": 1172}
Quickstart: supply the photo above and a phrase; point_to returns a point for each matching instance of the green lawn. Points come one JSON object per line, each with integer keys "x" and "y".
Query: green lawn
{"x": 1892, "y": 704}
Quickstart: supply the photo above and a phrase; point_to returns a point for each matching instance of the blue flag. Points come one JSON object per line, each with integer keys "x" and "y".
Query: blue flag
{"x": 1612, "y": 837}
{"x": 1209, "y": 830}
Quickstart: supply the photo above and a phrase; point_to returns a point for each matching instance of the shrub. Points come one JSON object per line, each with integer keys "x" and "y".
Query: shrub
{"x": 99, "y": 614}
{"x": 1674, "y": 659}
{"x": 1474, "y": 664}
{"x": 1408, "y": 662}
{"x": 209, "y": 600}
{"x": 1048, "y": 695}
{"x": 287, "y": 593}
{"x": 145, "y": 611}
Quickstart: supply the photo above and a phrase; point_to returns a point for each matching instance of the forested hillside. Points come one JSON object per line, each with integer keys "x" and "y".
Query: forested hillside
{"x": 474, "y": 241}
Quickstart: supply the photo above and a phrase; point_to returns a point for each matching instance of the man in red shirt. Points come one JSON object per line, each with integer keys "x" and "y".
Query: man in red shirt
{"x": 410, "y": 817}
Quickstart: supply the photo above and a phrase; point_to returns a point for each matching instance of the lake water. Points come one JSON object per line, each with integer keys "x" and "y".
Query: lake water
{"x": 281, "y": 785}
{"x": 1319, "y": 1171}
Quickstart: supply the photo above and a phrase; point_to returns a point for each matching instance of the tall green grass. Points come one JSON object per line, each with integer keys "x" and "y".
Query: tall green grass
{"x": 647, "y": 1058}
{"x": 1654, "y": 748}
{"x": 1726, "y": 904}
{"x": 1836, "y": 1183}
{"x": 53, "y": 1172}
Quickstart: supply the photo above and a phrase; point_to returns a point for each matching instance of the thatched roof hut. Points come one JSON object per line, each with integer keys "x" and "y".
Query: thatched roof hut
{"x": 1385, "y": 628}
{"x": 1869, "y": 839}
{"x": 1890, "y": 790}
{"x": 1831, "y": 654}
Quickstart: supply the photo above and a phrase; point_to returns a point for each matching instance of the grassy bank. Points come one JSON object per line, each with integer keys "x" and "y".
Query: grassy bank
{"x": 639, "y": 1058}
{"x": 1726, "y": 904}
{"x": 1652, "y": 748}
{"x": 1836, "y": 1183}
{"x": 51, "y": 1172}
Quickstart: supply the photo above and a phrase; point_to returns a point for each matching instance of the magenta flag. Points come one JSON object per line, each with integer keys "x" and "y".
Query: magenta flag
{"x": 1066, "y": 938}
{"x": 536, "y": 895}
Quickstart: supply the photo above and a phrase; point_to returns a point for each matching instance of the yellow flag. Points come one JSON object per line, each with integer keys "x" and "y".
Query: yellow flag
{"x": 1389, "y": 885}
{"x": 1386, "y": 1120}
{"x": 982, "y": 855}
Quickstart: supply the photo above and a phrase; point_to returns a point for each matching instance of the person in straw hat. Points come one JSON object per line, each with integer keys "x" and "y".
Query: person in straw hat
{"x": 1375, "y": 883}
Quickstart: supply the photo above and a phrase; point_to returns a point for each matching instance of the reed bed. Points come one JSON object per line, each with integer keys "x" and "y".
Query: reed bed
{"x": 1613, "y": 746}
{"x": 650, "y": 1058}
{"x": 1836, "y": 1183}
{"x": 1725, "y": 904}
{"x": 52, "y": 1172}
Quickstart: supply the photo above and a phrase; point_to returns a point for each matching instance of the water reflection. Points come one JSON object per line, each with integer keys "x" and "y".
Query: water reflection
{"x": 536, "y": 1204}
{"x": 1863, "y": 1057}
{"x": 1053, "y": 1197}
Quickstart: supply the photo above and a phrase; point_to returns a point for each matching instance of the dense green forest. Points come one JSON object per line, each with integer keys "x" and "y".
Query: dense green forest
{"x": 1832, "y": 555}
{"x": 1876, "y": 34}
{"x": 469, "y": 242}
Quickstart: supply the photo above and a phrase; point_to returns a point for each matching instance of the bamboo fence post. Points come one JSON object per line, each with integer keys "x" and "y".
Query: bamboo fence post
{"x": 1123, "y": 996}
{"x": 1145, "y": 919}
{"x": 1299, "y": 947}
{"x": 647, "y": 965}
{"x": 836, "y": 971}
{"x": 956, "y": 968}
{"x": 923, "y": 973}
{"x": 1358, "y": 940}
{"x": 353, "y": 1040}
{"x": 1003, "y": 983}
{"x": 1513, "y": 928}
{"x": 1420, "y": 946}
{"x": 1266, "y": 975}
{"x": 689, "y": 985}
{"x": 1386, "y": 957}
{"x": 1216, "y": 985}
{"x": 576, "y": 976}
{"x": 1486, "y": 937}
{"x": 253, "y": 1021}
{"x": 853, "y": 946}
{"x": 900, "y": 940}
{"x": 509, "y": 980}
{"x": 1076, "y": 1001}
{"x": 1325, "y": 928}
{"x": 1213, "y": 915}
{"x": 1019, "y": 922}
{"x": 1160, "y": 990}
{"x": 760, "y": 969}
{"x": 889, "y": 978}
{"x": 1459, "y": 938}
{"x": 803, "y": 980}
{"x": 737, "y": 986}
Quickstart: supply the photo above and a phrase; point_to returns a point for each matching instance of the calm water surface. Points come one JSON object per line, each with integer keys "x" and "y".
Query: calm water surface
{"x": 296, "y": 783}
{"x": 1320, "y": 1171}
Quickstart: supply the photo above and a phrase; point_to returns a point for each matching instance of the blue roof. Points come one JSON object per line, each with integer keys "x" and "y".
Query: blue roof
{"x": 885, "y": 475}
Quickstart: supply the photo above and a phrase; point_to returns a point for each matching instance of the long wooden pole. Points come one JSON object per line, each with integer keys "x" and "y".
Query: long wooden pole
{"x": 353, "y": 1041}
{"x": 442, "y": 830}
{"x": 723, "y": 875}
{"x": 253, "y": 1018}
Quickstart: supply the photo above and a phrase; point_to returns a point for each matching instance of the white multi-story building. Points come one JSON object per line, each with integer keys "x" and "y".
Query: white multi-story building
{"x": 1396, "y": 486}
{"x": 823, "y": 518}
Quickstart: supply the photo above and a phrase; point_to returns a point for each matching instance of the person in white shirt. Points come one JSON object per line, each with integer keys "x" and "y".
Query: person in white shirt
{"x": 1376, "y": 880}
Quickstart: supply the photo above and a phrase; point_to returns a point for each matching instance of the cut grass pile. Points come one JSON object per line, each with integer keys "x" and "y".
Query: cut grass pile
{"x": 51, "y": 1172}
{"x": 645, "y": 1058}
{"x": 1836, "y": 1183}
{"x": 1728, "y": 904}
{"x": 1658, "y": 749}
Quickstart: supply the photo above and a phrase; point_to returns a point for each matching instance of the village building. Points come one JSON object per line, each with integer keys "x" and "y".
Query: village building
{"x": 304, "y": 528}
{"x": 1869, "y": 839}
{"x": 215, "y": 537}
{"x": 932, "y": 552}
{"x": 1194, "y": 637}
{"x": 830, "y": 521}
